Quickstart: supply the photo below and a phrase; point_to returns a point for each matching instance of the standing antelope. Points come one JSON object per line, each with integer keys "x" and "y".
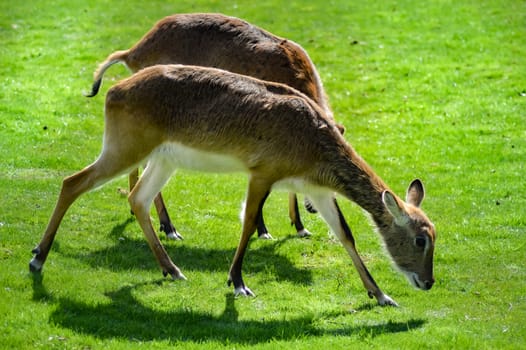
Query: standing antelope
{"x": 212, "y": 120}
{"x": 215, "y": 40}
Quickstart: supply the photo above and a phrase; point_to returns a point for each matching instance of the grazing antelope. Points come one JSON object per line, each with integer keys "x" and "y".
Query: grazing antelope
{"x": 215, "y": 40}
{"x": 172, "y": 116}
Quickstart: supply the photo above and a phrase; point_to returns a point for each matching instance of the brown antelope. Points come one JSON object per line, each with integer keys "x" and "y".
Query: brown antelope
{"x": 173, "y": 116}
{"x": 215, "y": 40}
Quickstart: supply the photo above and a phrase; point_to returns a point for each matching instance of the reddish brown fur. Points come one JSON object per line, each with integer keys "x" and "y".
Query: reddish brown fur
{"x": 169, "y": 115}
{"x": 215, "y": 40}
{"x": 229, "y": 43}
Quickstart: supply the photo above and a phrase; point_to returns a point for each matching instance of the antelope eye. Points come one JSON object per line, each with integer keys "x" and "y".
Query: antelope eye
{"x": 420, "y": 241}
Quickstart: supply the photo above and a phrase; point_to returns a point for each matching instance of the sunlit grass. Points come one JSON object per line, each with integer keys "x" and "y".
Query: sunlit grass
{"x": 434, "y": 90}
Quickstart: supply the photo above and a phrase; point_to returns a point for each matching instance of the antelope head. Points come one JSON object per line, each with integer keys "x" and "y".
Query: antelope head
{"x": 410, "y": 238}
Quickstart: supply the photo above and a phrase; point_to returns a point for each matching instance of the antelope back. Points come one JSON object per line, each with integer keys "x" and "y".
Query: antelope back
{"x": 267, "y": 125}
{"x": 215, "y": 40}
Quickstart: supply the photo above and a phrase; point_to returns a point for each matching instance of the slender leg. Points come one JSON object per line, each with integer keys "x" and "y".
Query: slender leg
{"x": 309, "y": 206}
{"x": 295, "y": 219}
{"x": 294, "y": 214}
{"x": 153, "y": 179}
{"x": 262, "y": 228}
{"x": 256, "y": 196}
{"x": 164, "y": 219}
{"x": 72, "y": 187}
{"x": 133, "y": 177}
{"x": 328, "y": 208}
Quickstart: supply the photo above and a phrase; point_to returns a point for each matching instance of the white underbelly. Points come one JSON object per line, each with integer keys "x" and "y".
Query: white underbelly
{"x": 299, "y": 185}
{"x": 177, "y": 156}
{"x": 184, "y": 157}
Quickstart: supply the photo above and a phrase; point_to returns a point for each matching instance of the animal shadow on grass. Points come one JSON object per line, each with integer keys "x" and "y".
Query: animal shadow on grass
{"x": 133, "y": 253}
{"x": 40, "y": 293}
{"x": 126, "y": 318}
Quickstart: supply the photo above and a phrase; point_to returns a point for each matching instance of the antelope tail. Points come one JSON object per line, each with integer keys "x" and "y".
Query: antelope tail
{"x": 116, "y": 57}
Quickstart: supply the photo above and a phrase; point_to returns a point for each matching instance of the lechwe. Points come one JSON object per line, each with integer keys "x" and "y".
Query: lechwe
{"x": 206, "y": 119}
{"x": 215, "y": 40}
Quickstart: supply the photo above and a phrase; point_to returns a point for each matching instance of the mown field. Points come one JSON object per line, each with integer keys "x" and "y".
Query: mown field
{"x": 431, "y": 90}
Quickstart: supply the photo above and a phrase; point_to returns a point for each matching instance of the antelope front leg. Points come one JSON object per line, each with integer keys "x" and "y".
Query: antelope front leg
{"x": 256, "y": 196}
{"x": 368, "y": 281}
{"x": 329, "y": 209}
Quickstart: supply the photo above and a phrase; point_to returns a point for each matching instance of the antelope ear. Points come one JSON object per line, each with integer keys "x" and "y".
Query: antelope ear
{"x": 415, "y": 193}
{"x": 394, "y": 208}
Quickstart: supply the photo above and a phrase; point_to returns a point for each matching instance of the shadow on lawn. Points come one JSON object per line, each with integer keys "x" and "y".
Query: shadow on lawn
{"x": 128, "y": 253}
{"x": 126, "y": 318}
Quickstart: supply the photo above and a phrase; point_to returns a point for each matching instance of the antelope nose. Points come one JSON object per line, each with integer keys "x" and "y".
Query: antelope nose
{"x": 429, "y": 283}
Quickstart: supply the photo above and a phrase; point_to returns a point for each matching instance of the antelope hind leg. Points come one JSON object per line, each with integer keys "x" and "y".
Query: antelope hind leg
{"x": 153, "y": 179}
{"x": 166, "y": 224}
{"x": 73, "y": 186}
{"x": 258, "y": 192}
{"x": 294, "y": 214}
{"x": 262, "y": 228}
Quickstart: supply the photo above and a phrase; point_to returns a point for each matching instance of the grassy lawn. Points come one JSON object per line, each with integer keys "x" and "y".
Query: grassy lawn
{"x": 434, "y": 90}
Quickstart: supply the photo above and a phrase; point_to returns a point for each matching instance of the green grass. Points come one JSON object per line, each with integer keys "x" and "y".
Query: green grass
{"x": 434, "y": 90}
